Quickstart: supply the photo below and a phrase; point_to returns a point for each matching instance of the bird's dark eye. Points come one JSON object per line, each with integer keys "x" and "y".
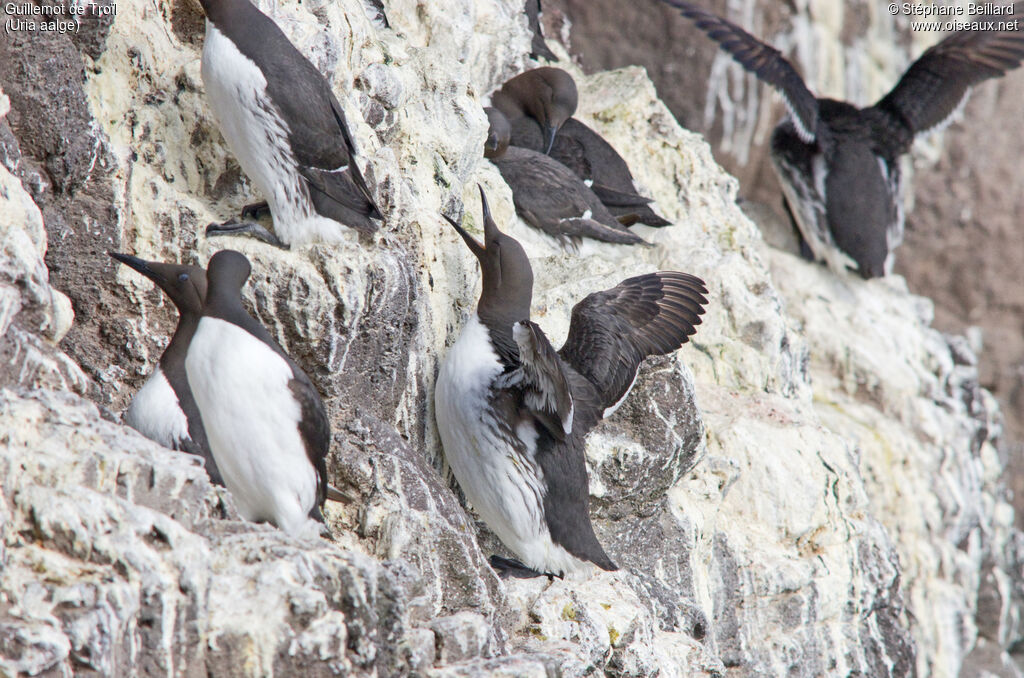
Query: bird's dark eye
{"x": 182, "y": 277}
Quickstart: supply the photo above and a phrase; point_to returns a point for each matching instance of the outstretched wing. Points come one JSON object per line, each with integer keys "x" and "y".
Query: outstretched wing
{"x": 612, "y": 331}
{"x": 939, "y": 82}
{"x": 764, "y": 61}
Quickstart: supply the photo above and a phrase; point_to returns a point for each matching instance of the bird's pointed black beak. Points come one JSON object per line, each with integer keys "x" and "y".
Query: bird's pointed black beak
{"x": 490, "y": 228}
{"x": 474, "y": 246}
{"x": 549, "y": 132}
{"x": 140, "y": 265}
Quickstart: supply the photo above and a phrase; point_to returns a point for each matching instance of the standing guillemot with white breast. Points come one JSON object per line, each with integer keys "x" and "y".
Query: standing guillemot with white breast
{"x": 285, "y": 126}
{"x": 513, "y": 413}
{"x": 839, "y": 164}
{"x": 265, "y": 422}
{"x": 164, "y": 409}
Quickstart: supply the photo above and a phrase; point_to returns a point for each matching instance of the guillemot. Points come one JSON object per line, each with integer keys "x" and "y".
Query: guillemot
{"x": 286, "y": 128}
{"x": 164, "y": 410}
{"x": 839, "y": 164}
{"x": 513, "y": 413}
{"x": 265, "y": 422}
{"x": 539, "y": 105}
{"x": 547, "y": 195}
{"x": 542, "y": 99}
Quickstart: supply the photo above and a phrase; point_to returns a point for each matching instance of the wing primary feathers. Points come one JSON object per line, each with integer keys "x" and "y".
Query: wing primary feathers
{"x": 940, "y": 80}
{"x": 612, "y": 331}
{"x": 764, "y": 61}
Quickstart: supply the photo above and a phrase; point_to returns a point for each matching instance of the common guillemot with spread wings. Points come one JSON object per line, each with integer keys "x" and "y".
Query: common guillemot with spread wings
{"x": 839, "y": 164}
{"x": 513, "y": 413}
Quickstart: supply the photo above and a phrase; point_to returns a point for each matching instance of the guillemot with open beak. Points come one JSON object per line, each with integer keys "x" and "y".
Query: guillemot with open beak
{"x": 513, "y": 413}
{"x": 164, "y": 410}
{"x": 839, "y": 164}
{"x": 264, "y": 419}
{"x": 285, "y": 126}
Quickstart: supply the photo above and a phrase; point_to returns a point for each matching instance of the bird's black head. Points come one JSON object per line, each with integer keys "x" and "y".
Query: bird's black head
{"x": 546, "y": 94}
{"x": 227, "y": 272}
{"x": 185, "y": 285}
{"x": 499, "y": 133}
{"x": 507, "y": 275}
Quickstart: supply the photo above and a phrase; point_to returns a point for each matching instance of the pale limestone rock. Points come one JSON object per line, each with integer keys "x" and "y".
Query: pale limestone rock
{"x": 807, "y": 488}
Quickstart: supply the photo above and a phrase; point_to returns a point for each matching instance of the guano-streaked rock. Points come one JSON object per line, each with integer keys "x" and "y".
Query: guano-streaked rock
{"x": 809, "y": 487}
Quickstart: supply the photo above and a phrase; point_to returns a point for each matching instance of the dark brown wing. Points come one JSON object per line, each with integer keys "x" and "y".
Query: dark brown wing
{"x": 318, "y": 133}
{"x": 315, "y": 429}
{"x": 538, "y": 48}
{"x": 542, "y": 380}
{"x": 612, "y": 331}
{"x": 938, "y": 83}
{"x": 764, "y": 61}
{"x": 549, "y": 197}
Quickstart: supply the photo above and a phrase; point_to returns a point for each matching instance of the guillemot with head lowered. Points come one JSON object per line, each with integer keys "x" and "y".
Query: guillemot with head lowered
{"x": 513, "y": 413}
{"x": 539, "y": 105}
{"x": 264, "y": 419}
{"x": 285, "y": 126}
{"x": 542, "y": 99}
{"x": 839, "y": 164}
{"x": 547, "y": 195}
{"x": 164, "y": 409}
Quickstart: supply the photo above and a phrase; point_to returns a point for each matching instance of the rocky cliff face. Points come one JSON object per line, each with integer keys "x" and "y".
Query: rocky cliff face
{"x": 810, "y": 487}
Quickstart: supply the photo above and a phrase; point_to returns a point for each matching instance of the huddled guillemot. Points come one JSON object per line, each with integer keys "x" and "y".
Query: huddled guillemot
{"x": 540, "y": 99}
{"x": 513, "y": 413}
{"x": 266, "y": 425}
{"x": 839, "y": 164}
{"x": 538, "y": 48}
{"x": 164, "y": 410}
{"x": 547, "y": 195}
{"x": 539, "y": 105}
{"x": 285, "y": 126}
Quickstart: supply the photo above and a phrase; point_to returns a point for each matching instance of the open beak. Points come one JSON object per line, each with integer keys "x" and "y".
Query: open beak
{"x": 474, "y": 246}
{"x": 490, "y": 228}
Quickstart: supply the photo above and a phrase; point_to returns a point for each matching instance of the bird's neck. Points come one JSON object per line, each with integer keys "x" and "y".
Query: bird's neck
{"x": 499, "y": 322}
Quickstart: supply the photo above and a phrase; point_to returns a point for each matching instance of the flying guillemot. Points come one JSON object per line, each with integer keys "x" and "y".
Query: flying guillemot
{"x": 539, "y": 105}
{"x": 164, "y": 410}
{"x": 286, "y": 128}
{"x": 513, "y": 413}
{"x": 547, "y": 195}
{"x": 265, "y": 422}
{"x": 838, "y": 164}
